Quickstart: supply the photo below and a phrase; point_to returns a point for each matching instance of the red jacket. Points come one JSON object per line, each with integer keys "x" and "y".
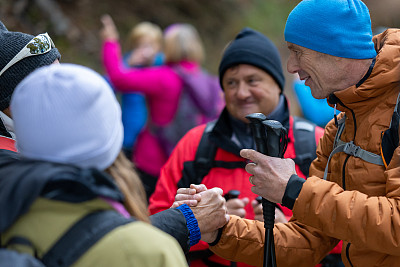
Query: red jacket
{"x": 227, "y": 179}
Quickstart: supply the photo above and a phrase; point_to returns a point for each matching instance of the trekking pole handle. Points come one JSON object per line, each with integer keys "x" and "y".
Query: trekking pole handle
{"x": 265, "y": 146}
{"x": 274, "y": 131}
{"x": 232, "y": 194}
{"x": 258, "y": 131}
{"x": 260, "y": 138}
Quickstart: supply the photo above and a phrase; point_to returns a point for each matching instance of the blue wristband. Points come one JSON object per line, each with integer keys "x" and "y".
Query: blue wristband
{"x": 191, "y": 223}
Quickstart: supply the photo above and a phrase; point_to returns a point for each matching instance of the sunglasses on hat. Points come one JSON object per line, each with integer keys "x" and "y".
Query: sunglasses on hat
{"x": 39, "y": 45}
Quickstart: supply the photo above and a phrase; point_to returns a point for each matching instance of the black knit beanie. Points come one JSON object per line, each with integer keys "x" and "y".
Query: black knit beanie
{"x": 253, "y": 48}
{"x": 10, "y": 44}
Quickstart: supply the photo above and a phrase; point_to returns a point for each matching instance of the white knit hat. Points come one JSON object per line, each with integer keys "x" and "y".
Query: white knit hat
{"x": 68, "y": 114}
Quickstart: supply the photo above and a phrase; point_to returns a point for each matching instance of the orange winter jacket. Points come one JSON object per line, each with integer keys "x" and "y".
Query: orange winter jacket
{"x": 360, "y": 201}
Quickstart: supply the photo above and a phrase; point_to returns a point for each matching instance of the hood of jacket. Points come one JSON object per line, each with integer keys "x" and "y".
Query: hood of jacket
{"x": 379, "y": 82}
{"x": 22, "y": 181}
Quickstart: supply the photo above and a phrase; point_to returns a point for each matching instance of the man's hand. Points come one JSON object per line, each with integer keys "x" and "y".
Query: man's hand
{"x": 189, "y": 196}
{"x": 270, "y": 175}
{"x": 108, "y": 31}
{"x": 210, "y": 212}
{"x": 236, "y": 206}
{"x": 208, "y": 206}
{"x": 258, "y": 213}
{"x": 279, "y": 216}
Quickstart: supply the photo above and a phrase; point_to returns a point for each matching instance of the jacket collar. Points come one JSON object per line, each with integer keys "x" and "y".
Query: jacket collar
{"x": 228, "y": 131}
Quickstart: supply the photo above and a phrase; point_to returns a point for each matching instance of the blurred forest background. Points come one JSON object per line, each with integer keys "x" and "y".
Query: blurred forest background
{"x": 74, "y": 24}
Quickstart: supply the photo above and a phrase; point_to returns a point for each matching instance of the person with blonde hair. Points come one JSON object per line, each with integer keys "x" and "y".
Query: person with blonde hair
{"x": 165, "y": 87}
{"x": 145, "y": 43}
{"x": 182, "y": 41}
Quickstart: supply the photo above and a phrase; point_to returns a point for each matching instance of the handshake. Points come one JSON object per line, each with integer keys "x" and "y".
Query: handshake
{"x": 212, "y": 210}
{"x": 207, "y": 205}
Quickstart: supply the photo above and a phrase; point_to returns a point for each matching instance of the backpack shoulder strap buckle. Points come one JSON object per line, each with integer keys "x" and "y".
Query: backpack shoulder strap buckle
{"x": 351, "y": 149}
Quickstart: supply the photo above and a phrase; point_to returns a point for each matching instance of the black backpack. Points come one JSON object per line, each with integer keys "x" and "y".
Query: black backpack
{"x": 194, "y": 171}
{"x": 68, "y": 249}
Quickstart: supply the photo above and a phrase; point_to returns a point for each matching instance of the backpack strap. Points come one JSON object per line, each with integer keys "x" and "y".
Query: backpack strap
{"x": 78, "y": 239}
{"x": 305, "y": 145}
{"x": 82, "y": 236}
{"x": 341, "y": 124}
{"x": 205, "y": 154}
{"x": 17, "y": 240}
{"x": 350, "y": 149}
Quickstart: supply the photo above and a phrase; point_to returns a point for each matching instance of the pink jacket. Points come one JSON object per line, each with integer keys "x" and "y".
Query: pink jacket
{"x": 162, "y": 88}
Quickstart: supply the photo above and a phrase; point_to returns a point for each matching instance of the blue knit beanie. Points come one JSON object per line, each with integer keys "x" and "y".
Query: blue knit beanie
{"x": 340, "y": 28}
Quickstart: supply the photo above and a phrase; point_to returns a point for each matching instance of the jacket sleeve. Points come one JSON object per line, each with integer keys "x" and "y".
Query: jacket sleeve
{"x": 173, "y": 222}
{"x": 242, "y": 240}
{"x": 152, "y": 80}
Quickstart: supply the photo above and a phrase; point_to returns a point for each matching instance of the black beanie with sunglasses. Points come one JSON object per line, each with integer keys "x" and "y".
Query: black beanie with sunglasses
{"x": 11, "y": 43}
{"x": 253, "y": 48}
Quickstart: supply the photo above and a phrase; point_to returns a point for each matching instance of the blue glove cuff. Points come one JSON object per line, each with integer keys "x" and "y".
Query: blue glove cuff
{"x": 191, "y": 222}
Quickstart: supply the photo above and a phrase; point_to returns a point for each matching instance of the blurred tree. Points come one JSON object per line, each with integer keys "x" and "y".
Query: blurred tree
{"x": 74, "y": 24}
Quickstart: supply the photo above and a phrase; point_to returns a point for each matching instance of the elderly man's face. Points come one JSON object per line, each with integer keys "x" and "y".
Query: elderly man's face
{"x": 249, "y": 89}
{"x": 323, "y": 73}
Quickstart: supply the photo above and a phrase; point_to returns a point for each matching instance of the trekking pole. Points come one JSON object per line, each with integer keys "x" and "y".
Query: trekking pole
{"x": 271, "y": 139}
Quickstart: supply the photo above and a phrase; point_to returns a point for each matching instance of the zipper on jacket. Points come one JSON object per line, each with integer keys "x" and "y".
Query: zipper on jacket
{"x": 334, "y": 99}
{"x": 348, "y": 253}
{"x": 343, "y": 173}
